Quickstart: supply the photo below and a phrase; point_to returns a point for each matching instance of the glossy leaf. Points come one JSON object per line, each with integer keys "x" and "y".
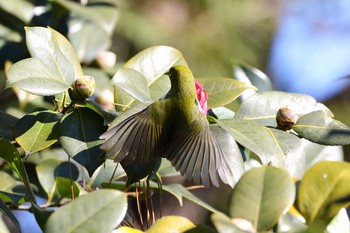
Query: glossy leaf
{"x": 323, "y": 191}
{"x": 5, "y": 210}
{"x": 152, "y": 63}
{"x": 253, "y": 76}
{"x": 107, "y": 114}
{"x": 38, "y": 130}
{"x": 10, "y": 154}
{"x": 133, "y": 83}
{"x": 224, "y": 224}
{"x": 262, "y": 196}
{"x": 64, "y": 187}
{"x": 46, "y": 171}
{"x": 80, "y": 131}
{"x": 41, "y": 215}
{"x": 222, "y": 91}
{"x": 272, "y": 146}
{"x": 99, "y": 211}
{"x": 170, "y": 224}
{"x": 263, "y": 106}
{"x": 322, "y": 129}
{"x": 7, "y": 121}
{"x": 8, "y": 186}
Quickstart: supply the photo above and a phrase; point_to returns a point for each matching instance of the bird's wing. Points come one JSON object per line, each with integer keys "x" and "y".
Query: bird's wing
{"x": 195, "y": 152}
{"x": 135, "y": 139}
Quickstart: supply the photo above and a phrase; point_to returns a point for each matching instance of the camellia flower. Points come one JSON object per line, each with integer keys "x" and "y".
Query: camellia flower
{"x": 202, "y": 97}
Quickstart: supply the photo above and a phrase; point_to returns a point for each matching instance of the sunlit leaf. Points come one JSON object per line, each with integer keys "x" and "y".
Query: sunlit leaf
{"x": 323, "y": 191}
{"x": 80, "y": 130}
{"x": 125, "y": 229}
{"x": 38, "y": 130}
{"x": 222, "y": 91}
{"x": 10, "y": 154}
{"x": 99, "y": 211}
{"x": 262, "y": 195}
{"x": 224, "y": 224}
{"x": 133, "y": 83}
{"x": 263, "y": 106}
{"x": 320, "y": 128}
{"x": 170, "y": 224}
{"x": 282, "y": 149}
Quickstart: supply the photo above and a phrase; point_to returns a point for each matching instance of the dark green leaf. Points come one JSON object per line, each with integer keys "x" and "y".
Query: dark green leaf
{"x": 323, "y": 191}
{"x": 322, "y": 129}
{"x": 12, "y": 157}
{"x": 170, "y": 224}
{"x": 222, "y": 91}
{"x": 262, "y": 196}
{"x": 263, "y": 106}
{"x": 41, "y": 215}
{"x": 5, "y": 210}
{"x": 99, "y": 211}
{"x": 64, "y": 187}
{"x": 46, "y": 175}
{"x": 107, "y": 114}
{"x": 80, "y": 132}
{"x": 38, "y": 130}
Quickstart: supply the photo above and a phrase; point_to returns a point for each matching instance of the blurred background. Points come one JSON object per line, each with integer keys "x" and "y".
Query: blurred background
{"x": 302, "y": 45}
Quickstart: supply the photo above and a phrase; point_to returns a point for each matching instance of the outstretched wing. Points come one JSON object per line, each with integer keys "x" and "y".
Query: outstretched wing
{"x": 196, "y": 154}
{"x": 135, "y": 139}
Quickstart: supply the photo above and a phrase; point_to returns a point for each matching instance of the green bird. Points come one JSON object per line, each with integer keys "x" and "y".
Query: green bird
{"x": 173, "y": 127}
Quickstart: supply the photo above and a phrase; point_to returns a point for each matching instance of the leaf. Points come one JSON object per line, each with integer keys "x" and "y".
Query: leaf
{"x": 38, "y": 130}
{"x": 222, "y": 91}
{"x": 10, "y": 154}
{"x": 46, "y": 171}
{"x": 107, "y": 114}
{"x": 170, "y": 224}
{"x": 41, "y": 215}
{"x": 64, "y": 187}
{"x": 7, "y": 120}
{"x": 262, "y": 196}
{"x": 98, "y": 211}
{"x": 80, "y": 130}
{"x": 125, "y": 229}
{"x": 8, "y": 188}
{"x": 20, "y": 9}
{"x": 323, "y": 191}
{"x": 55, "y": 51}
{"x": 282, "y": 149}
{"x": 263, "y": 106}
{"x": 133, "y": 83}
{"x": 5, "y": 210}
{"x": 38, "y": 81}
{"x": 253, "y": 76}
{"x": 224, "y": 224}
{"x": 152, "y": 63}
{"x": 322, "y": 129}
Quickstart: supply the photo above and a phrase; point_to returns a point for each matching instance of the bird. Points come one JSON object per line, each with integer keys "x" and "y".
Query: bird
{"x": 173, "y": 127}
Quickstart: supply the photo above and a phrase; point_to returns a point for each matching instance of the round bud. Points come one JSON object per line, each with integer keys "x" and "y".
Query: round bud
{"x": 83, "y": 88}
{"x": 286, "y": 118}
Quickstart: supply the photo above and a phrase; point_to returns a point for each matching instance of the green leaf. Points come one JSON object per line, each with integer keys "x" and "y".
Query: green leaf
{"x": 152, "y": 63}
{"x": 253, "y": 76}
{"x": 224, "y": 224}
{"x": 280, "y": 148}
{"x": 64, "y": 187}
{"x": 80, "y": 130}
{"x": 12, "y": 157}
{"x": 23, "y": 10}
{"x": 263, "y": 106}
{"x": 262, "y": 196}
{"x": 46, "y": 174}
{"x": 133, "y": 83}
{"x": 107, "y": 114}
{"x": 5, "y": 210}
{"x": 8, "y": 188}
{"x": 7, "y": 120}
{"x": 38, "y": 130}
{"x": 55, "y": 51}
{"x": 105, "y": 172}
{"x": 322, "y": 129}
{"x": 323, "y": 191}
{"x": 38, "y": 81}
{"x": 125, "y": 229}
{"x": 222, "y": 91}
{"x": 170, "y": 224}
{"x": 41, "y": 215}
{"x": 99, "y": 211}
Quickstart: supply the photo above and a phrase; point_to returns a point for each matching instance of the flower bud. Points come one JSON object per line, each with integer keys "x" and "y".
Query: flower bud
{"x": 83, "y": 88}
{"x": 286, "y": 118}
{"x": 202, "y": 97}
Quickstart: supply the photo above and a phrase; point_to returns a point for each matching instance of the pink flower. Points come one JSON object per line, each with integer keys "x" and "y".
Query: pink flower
{"x": 202, "y": 97}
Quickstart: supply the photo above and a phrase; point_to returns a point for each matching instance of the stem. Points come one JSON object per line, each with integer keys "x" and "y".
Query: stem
{"x": 71, "y": 177}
